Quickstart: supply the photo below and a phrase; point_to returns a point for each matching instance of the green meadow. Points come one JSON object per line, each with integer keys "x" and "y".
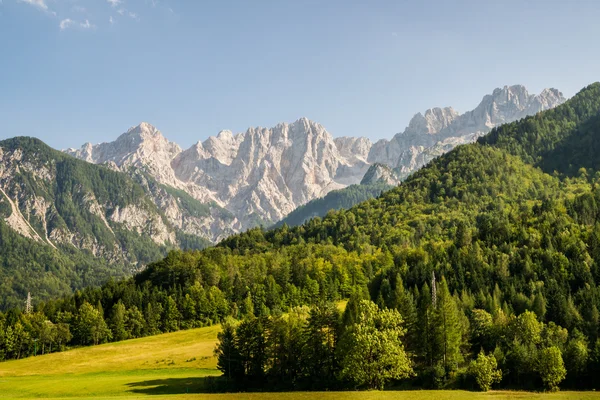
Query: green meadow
{"x": 172, "y": 366}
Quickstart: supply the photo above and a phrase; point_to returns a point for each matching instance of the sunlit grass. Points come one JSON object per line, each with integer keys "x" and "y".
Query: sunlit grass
{"x": 184, "y": 349}
{"x": 173, "y": 366}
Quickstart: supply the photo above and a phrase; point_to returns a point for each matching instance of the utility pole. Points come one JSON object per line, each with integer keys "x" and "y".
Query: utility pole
{"x": 28, "y": 307}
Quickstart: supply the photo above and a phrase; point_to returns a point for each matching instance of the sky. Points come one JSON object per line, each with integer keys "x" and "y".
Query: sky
{"x": 76, "y": 71}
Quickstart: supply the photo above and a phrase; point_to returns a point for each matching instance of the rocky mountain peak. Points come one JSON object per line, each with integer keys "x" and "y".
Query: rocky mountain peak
{"x": 146, "y": 129}
{"x": 380, "y": 173}
{"x": 225, "y": 135}
{"x": 304, "y": 127}
{"x": 432, "y": 122}
{"x": 146, "y": 133}
{"x": 547, "y": 99}
{"x": 510, "y": 98}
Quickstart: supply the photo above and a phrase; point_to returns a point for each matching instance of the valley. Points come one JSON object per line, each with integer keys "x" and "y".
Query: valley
{"x": 336, "y": 200}
{"x": 477, "y": 271}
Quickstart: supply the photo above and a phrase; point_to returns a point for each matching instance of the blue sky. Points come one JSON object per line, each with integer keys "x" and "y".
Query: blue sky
{"x": 86, "y": 70}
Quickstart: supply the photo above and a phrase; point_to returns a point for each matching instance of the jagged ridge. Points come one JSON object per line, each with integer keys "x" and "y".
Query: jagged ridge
{"x": 264, "y": 174}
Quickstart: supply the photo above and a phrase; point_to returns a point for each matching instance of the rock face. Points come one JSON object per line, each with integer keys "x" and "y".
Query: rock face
{"x": 380, "y": 173}
{"x": 440, "y": 130}
{"x": 259, "y": 176}
{"x": 264, "y": 174}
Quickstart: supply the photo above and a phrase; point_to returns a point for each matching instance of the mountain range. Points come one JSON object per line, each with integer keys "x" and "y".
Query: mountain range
{"x": 264, "y": 174}
{"x": 67, "y": 223}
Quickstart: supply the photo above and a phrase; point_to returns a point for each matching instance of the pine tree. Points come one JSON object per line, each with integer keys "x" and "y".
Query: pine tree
{"x": 405, "y": 304}
{"x": 117, "y": 322}
{"x": 227, "y": 353}
{"x": 152, "y": 316}
{"x": 448, "y": 328}
{"x": 171, "y": 316}
{"x": 425, "y": 327}
{"x": 321, "y": 338}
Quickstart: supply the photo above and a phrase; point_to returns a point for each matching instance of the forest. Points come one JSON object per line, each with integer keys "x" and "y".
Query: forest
{"x": 334, "y": 200}
{"x": 479, "y": 271}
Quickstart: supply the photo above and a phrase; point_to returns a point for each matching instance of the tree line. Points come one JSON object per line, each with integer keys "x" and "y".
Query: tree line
{"x": 426, "y": 338}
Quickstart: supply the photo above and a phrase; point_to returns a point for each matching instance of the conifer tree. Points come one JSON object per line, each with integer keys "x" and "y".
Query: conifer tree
{"x": 448, "y": 329}
{"x": 117, "y": 322}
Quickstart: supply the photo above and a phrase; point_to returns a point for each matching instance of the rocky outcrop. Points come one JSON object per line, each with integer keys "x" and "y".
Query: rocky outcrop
{"x": 380, "y": 173}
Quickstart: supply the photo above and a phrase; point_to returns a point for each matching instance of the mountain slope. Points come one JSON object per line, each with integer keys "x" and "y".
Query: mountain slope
{"x": 334, "y": 200}
{"x": 262, "y": 175}
{"x": 440, "y": 130}
{"x": 66, "y": 224}
{"x": 480, "y": 195}
{"x": 64, "y": 201}
{"x": 556, "y": 139}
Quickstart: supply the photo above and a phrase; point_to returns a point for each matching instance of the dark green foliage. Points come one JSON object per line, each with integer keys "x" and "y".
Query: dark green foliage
{"x": 334, "y": 200}
{"x": 228, "y": 357}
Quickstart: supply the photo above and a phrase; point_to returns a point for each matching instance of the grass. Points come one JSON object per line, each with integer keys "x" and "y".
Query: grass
{"x": 184, "y": 349}
{"x": 176, "y": 366}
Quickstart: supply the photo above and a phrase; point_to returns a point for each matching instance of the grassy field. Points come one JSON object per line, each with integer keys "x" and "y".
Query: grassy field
{"x": 184, "y": 349}
{"x": 174, "y": 366}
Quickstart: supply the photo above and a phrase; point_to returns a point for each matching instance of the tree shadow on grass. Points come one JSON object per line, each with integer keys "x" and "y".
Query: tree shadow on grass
{"x": 205, "y": 384}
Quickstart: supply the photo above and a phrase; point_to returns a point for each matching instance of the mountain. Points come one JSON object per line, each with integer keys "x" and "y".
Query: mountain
{"x": 92, "y": 222}
{"x": 66, "y": 223}
{"x": 440, "y": 130}
{"x": 262, "y": 175}
{"x": 490, "y": 250}
{"x": 380, "y": 173}
{"x": 259, "y": 176}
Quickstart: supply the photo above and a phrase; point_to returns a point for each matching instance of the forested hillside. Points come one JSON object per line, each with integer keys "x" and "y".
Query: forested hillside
{"x": 481, "y": 269}
{"x": 334, "y": 200}
{"x": 66, "y": 224}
